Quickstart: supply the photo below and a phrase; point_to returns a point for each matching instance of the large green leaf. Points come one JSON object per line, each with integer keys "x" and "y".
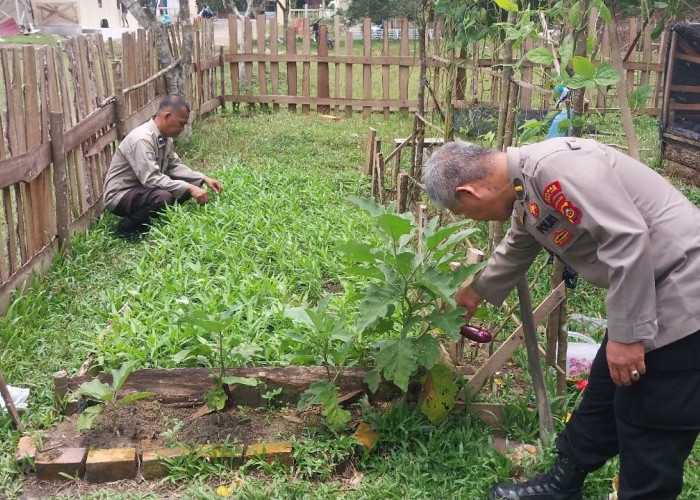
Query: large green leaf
{"x": 369, "y": 205}
{"x": 433, "y": 240}
{"x": 406, "y": 261}
{"x": 325, "y": 393}
{"x": 231, "y": 380}
{"x": 603, "y": 10}
{"x": 397, "y": 360}
{"x": 606, "y": 74}
{"x": 540, "y": 55}
{"x": 120, "y": 375}
{"x": 439, "y": 393}
{"x": 440, "y": 284}
{"x": 87, "y": 417}
{"x": 574, "y": 14}
{"x": 427, "y": 350}
{"x": 376, "y": 304}
{"x": 566, "y": 52}
{"x": 507, "y": 5}
{"x": 578, "y": 82}
{"x": 96, "y": 389}
{"x": 395, "y": 226}
{"x": 305, "y": 316}
{"x": 216, "y": 398}
{"x": 136, "y": 396}
{"x": 368, "y": 272}
{"x": 372, "y": 379}
{"x": 448, "y": 322}
{"x": 357, "y": 251}
{"x": 584, "y": 67}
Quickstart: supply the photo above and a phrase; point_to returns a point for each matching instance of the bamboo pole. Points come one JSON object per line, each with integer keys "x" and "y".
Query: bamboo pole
{"x": 533, "y": 358}
{"x": 9, "y": 404}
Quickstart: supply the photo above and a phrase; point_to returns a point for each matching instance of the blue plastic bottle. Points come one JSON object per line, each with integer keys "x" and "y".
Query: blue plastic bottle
{"x": 554, "y": 129}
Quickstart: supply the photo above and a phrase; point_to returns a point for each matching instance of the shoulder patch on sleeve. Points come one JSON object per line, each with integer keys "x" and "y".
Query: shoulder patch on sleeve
{"x": 150, "y": 156}
{"x": 553, "y": 196}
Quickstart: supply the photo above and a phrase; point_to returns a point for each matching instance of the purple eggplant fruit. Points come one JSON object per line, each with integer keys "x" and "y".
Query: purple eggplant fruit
{"x": 475, "y": 333}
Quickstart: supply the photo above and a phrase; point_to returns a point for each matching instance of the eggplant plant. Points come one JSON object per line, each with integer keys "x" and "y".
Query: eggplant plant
{"x": 408, "y": 297}
{"x": 220, "y": 351}
{"x": 411, "y": 290}
{"x": 333, "y": 341}
{"x": 106, "y": 397}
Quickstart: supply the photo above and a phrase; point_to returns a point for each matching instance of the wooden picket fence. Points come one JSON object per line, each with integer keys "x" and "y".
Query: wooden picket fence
{"x": 336, "y": 79}
{"x": 66, "y": 108}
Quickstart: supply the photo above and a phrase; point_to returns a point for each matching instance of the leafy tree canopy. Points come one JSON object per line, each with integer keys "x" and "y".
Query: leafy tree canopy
{"x": 380, "y": 10}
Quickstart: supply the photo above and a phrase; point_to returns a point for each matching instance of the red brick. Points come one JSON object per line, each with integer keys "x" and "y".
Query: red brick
{"x": 51, "y": 463}
{"x": 281, "y": 450}
{"x": 151, "y": 461}
{"x": 26, "y": 448}
{"x": 110, "y": 465}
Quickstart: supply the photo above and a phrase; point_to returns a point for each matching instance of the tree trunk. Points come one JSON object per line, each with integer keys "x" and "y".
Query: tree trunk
{"x": 625, "y": 111}
{"x": 174, "y": 80}
{"x": 285, "y": 14}
{"x": 578, "y": 98}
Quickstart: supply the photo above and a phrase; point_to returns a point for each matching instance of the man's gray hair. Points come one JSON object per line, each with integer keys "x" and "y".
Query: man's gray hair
{"x": 173, "y": 103}
{"x": 451, "y": 166}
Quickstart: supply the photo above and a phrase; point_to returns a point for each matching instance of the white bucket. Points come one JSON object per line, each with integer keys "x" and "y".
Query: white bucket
{"x": 579, "y": 355}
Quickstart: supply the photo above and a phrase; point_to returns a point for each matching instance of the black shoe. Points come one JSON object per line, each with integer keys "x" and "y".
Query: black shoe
{"x": 126, "y": 230}
{"x": 563, "y": 481}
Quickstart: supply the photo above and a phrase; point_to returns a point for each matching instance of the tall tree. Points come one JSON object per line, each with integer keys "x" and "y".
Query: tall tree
{"x": 147, "y": 17}
{"x": 381, "y": 10}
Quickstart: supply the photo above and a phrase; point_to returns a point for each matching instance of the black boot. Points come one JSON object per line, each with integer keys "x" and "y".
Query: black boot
{"x": 130, "y": 230}
{"x": 563, "y": 481}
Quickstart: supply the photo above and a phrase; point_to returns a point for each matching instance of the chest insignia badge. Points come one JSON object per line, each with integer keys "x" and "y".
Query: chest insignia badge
{"x": 534, "y": 209}
{"x": 554, "y": 197}
{"x": 561, "y": 237}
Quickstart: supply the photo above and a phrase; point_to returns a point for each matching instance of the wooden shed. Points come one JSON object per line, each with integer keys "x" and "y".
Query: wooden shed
{"x": 680, "y": 114}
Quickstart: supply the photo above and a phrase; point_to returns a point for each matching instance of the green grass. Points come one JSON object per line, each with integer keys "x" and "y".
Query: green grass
{"x": 264, "y": 244}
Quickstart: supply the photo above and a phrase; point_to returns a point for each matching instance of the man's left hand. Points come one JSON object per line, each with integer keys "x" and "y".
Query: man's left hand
{"x": 213, "y": 184}
{"x": 623, "y": 359}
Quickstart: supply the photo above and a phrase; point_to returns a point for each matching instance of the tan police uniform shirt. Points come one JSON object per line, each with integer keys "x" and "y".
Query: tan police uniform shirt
{"x": 618, "y": 223}
{"x": 146, "y": 158}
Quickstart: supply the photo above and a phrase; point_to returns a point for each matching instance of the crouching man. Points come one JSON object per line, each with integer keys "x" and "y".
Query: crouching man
{"x": 146, "y": 174}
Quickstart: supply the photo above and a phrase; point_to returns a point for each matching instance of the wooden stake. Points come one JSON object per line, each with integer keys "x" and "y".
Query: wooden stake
{"x": 533, "y": 358}
{"x": 9, "y": 404}
{"x": 401, "y": 193}
{"x": 369, "y": 151}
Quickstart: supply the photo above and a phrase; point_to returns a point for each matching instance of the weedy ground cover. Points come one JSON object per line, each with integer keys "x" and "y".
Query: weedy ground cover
{"x": 267, "y": 243}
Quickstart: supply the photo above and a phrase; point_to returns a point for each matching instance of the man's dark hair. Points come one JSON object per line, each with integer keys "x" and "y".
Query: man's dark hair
{"x": 451, "y": 166}
{"x": 173, "y": 103}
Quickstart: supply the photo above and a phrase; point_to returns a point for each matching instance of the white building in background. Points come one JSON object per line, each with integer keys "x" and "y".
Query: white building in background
{"x": 69, "y": 17}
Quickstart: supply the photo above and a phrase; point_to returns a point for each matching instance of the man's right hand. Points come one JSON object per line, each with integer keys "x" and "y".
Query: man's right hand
{"x": 469, "y": 299}
{"x": 199, "y": 194}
